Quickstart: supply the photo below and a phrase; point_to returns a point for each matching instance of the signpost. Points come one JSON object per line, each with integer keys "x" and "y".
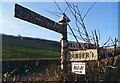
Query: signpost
{"x": 61, "y": 27}
{"x": 84, "y": 55}
{"x": 32, "y": 17}
{"x": 78, "y": 68}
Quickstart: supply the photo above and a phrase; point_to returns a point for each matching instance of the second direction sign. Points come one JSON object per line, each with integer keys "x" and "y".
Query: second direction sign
{"x": 84, "y": 55}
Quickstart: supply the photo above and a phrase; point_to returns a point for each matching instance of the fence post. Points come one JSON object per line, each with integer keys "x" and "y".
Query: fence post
{"x": 115, "y": 45}
{"x": 98, "y": 50}
{"x": 98, "y": 63}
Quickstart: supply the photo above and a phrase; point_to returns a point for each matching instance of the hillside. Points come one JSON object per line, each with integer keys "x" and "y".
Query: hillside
{"x": 47, "y": 70}
{"x": 17, "y": 47}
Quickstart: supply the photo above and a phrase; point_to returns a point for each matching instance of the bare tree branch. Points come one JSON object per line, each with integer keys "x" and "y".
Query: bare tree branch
{"x": 89, "y": 10}
{"x": 93, "y": 37}
{"x": 72, "y": 8}
{"x": 66, "y": 9}
{"x": 74, "y": 36}
{"x": 58, "y": 6}
{"x": 52, "y": 13}
{"x": 106, "y": 42}
{"x": 84, "y": 27}
{"x": 98, "y": 35}
{"x": 83, "y": 34}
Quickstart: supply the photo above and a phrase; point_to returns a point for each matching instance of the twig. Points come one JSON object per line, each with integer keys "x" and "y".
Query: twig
{"x": 58, "y": 6}
{"x": 106, "y": 42}
{"x": 89, "y": 10}
{"x": 52, "y": 13}
{"x": 74, "y": 35}
{"x": 82, "y": 22}
{"x": 93, "y": 37}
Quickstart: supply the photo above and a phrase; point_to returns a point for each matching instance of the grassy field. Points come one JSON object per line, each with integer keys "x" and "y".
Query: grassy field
{"x": 13, "y": 47}
{"x": 50, "y": 70}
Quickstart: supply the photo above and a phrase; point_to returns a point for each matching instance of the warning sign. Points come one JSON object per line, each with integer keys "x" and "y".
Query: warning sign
{"x": 78, "y": 68}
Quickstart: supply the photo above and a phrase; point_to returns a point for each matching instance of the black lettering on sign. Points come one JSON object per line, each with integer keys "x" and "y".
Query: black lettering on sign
{"x": 91, "y": 53}
{"x": 83, "y": 55}
{"x": 75, "y": 68}
{"x": 87, "y": 55}
{"x": 81, "y": 67}
{"x": 78, "y": 71}
{"x": 32, "y": 17}
{"x": 72, "y": 55}
{"x": 78, "y": 67}
{"x": 80, "y": 56}
{"x": 76, "y": 55}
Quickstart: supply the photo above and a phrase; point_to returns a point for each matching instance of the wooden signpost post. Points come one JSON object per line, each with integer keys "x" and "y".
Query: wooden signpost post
{"x": 61, "y": 27}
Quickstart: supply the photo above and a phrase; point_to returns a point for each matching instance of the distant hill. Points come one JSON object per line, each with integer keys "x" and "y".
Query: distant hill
{"x": 18, "y": 47}
{"x": 15, "y": 47}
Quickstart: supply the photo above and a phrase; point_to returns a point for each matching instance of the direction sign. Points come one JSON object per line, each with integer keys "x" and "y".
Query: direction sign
{"x": 78, "y": 68}
{"x": 72, "y": 45}
{"x": 32, "y": 17}
{"x": 84, "y": 55}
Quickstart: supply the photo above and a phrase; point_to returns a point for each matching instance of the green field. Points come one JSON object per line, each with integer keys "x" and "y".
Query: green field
{"x": 13, "y": 47}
